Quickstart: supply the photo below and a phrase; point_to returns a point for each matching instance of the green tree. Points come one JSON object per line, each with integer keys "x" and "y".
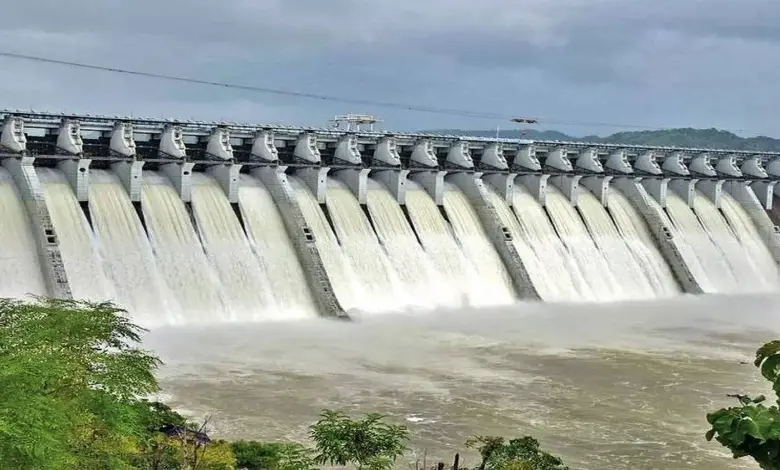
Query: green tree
{"x": 516, "y": 454}
{"x": 253, "y": 455}
{"x": 70, "y": 372}
{"x": 752, "y": 429}
{"x": 368, "y": 443}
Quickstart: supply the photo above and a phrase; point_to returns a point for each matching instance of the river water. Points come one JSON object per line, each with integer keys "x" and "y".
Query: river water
{"x": 606, "y": 386}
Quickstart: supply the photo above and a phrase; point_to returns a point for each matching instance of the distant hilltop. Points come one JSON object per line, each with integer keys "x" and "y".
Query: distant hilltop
{"x": 684, "y": 137}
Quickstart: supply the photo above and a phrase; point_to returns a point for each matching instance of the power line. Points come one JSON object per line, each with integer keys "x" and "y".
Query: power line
{"x": 315, "y": 96}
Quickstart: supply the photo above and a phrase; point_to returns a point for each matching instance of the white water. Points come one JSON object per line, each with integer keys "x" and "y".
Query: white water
{"x": 540, "y": 234}
{"x": 574, "y": 234}
{"x": 78, "y": 247}
{"x": 477, "y": 247}
{"x": 439, "y": 243}
{"x": 270, "y": 242}
{"x": 360, "y": 245}
{"x": 751, "y": 240}
{"x": 635, "y": 233}
{"x": 245, "y": 281}
{"x": 128, "y": 259}
{"x": 180, "y": 257}
{"x": 348, "y": 290}
{"x": 634, "y": 282}
{"x": 712, "y": 270}
{"x": 20, "y": 271}
{"x": 747, "y": 277}
{"x": 422, "y": 285}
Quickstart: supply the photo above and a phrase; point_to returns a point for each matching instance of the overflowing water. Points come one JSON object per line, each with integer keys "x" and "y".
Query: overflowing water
{"x": 180, "y": 256}
{"x": 423, "y": 286}
{"x": 750, "y": 239}
{"x": 437, "y": 239}
{"x": 20, "y": 271}
{"x": 78, "y": 247}
{"x": 584, "y": 252}
{"x": 271, "y": 244}
{"x": 244, "y": 278}
{"x": 128, "y": 259}
{"x": 477, "y": 247}
{"x": 636, "y": 235}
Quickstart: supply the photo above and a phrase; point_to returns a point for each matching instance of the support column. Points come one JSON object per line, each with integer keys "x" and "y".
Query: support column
{"x": 433, "y": 182}
{"x": 473, "y": 187}
{"x": 599, "y": 186}
{"x": 685, "y": 188}
{"x": 46, "y": 240}
{"x": 395, "y": 180}
{"x": 663, "y": 235}
{"x": 130, "y": 173}
{"x": 503, "y": 183}
{"x": 357, "y": 181}
{"x": 713, "y": 189}
{"x": 227, "y": 177}
{"x": 770, "y": 233}
{"x": 180, "y": 175}
{"x": 569, "y": 186}
{"x": 303, "y": 240}
{"x": 77, "y": 174}
{"x": 765, "y": 192}
{"x": 316, "y": 179}
{"x": 537, "y": 186}
{"x": 657, "y": 188}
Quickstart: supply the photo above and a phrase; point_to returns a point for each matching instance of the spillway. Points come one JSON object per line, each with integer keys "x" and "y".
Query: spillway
{"x": 636, "y": 234}
{"x": 446, "y": 256}
{"x": 245, "y": 280}
{"x": 361, "y": 247}
{"x": 271, "y": 244}
{"x": 477, "y": 247}
{"x": 20, "y": 270}
{"x": 589, "y": 259}
{"x": 748, "y": 236}
{"x": 129, "y": 261}
{"x": 540, "y": 234}
{"x": 421, "y": 284}
{"x": 179, "y": 254}
{"x": 80, "y": 254}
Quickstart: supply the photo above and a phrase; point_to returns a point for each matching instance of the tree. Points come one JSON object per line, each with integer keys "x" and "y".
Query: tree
{"x": 517, "y": 454}
{"x": 368, "y": 443}
{"x": 70, "y": 372}
{"x": 752, "y": 429}
{"x": 253, "y": 455}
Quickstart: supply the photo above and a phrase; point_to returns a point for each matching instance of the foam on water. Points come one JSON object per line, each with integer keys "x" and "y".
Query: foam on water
{"x": 78, "y": 247}
{"x": 180, "y": 256}
{"x": 20, "y": 270}
{"x": 273, "y": 246}
{"x": 477, "y": 246}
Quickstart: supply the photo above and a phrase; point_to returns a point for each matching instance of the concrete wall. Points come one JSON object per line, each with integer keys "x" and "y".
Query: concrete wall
{"x": 769, "y": 232}
{"x": 303, "y": 240}
{"x": 46, "y": 240}
{"x": 662, "y": 234}
{"x": 499, "y": 234}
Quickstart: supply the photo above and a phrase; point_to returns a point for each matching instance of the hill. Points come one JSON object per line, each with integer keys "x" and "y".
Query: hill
{"x": 685, "y": 137}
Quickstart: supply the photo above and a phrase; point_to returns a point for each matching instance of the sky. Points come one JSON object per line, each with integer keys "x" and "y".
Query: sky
{"x": 580, "y": 66}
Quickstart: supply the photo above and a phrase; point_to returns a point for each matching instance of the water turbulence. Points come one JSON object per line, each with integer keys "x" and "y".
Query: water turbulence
{"x": 439, "y": 244}
{"x": 348, "y": 291}
{"x": 360, "y": 245}
{"x": 244, "y": 280}
{"x": 633, "y": 278}
{"x": 639, "y": 240}
{"x": 574, "y": 234}
{"x": 270, "y": 242}
{"x": 128, "y": 259}
{"x": 539, "y": 234}
{"x": 751, "y": 240}
{"x": 180, "y": 257}
{"x": 710, "y": 268}
{"x": 78, "y": 247}
{"x": 477, "y": 246}
{"x": 423, "y": 285}
{"x": 747, "y": 275}
{"x": 20, "y": 269}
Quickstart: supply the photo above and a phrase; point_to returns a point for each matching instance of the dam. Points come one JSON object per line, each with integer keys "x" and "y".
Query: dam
{"x": 198, "y": 222}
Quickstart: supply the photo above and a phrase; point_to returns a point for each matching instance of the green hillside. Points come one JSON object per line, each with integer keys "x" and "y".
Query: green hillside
{"x": 686, "y": 137}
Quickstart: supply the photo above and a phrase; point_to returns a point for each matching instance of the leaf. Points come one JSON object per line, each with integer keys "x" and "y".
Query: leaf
{"x": 769, "y": 349}
{"x": 770, "y": 369}
{"x": 710, "y": 434}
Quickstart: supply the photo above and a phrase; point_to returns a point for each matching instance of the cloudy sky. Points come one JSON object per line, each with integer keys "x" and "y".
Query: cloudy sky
{"x": 571, "y": 63}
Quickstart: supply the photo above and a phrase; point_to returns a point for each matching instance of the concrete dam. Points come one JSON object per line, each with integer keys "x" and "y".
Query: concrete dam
{"x": 197, "y": 222}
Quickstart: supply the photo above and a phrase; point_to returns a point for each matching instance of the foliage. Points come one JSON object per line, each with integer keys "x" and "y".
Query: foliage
{"x": 517, "y": 454}
{"x": 752, "y": 429}
{"x": 368, "y": 443}
{"x": 254, "y": 455}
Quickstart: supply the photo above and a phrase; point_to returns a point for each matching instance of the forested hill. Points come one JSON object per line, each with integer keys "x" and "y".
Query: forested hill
{"x": 686, "y": 137}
